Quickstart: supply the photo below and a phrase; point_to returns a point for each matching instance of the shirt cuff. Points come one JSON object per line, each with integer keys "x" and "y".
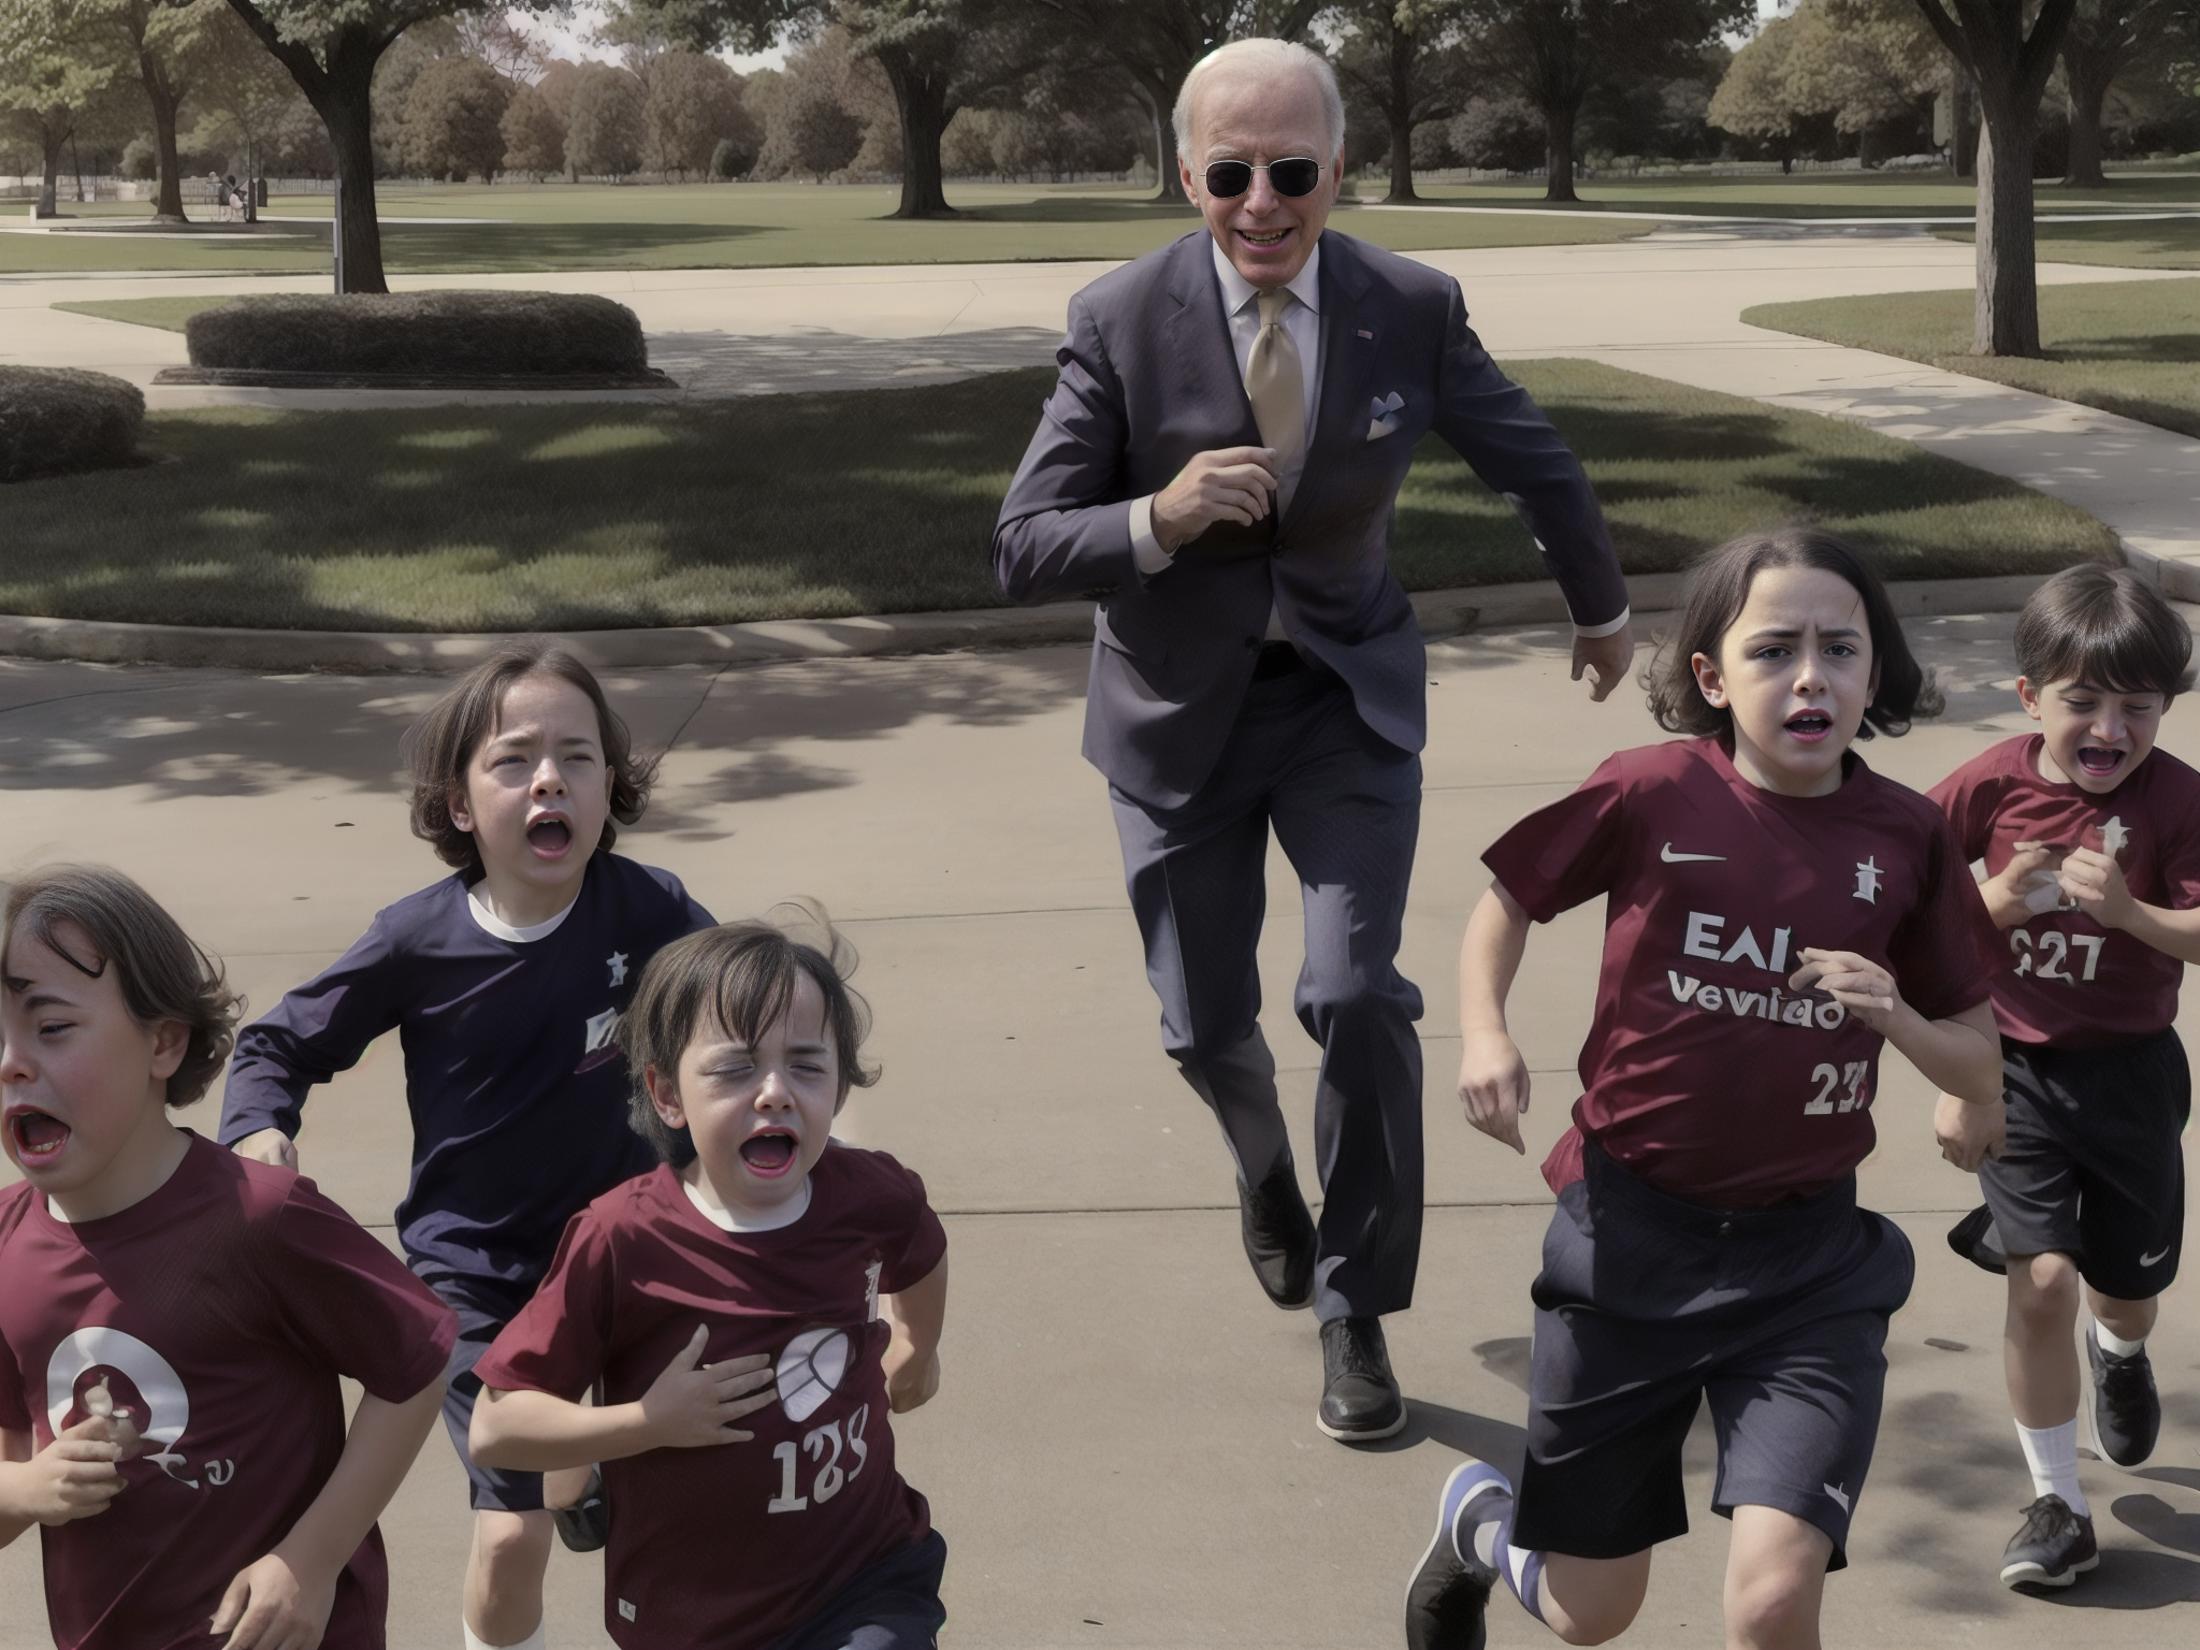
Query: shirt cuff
{"x": 1146, "y": 550}
{"x": 1584, "y": 632}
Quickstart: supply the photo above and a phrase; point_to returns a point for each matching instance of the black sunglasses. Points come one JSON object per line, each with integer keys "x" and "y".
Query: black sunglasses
{"x": 1228, "y": 179}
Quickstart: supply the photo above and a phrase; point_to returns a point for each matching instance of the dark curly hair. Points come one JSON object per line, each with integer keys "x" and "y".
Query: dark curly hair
{"x": 439, "y": 746}
{"x": 738, "y": 977}
{"x": 162, "y": 974}
{"x": 1718, "y": 588}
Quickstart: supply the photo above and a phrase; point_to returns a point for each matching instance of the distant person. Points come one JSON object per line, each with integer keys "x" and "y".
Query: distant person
{"x": 504, "y": 982}
{"x": 749, "y": 1312}
{"x": 176, "y": 1323}
{"x": 2091, "y": 840}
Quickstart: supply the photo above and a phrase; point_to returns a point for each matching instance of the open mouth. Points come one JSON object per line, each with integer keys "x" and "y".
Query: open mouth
{"x": 549, "y": 837}
{"x": 770, "y": 1154}
{"x": 1265, "y": 239}
{"x": 1810, "y": 726}
{"x": 2099, "y": 761}
{"x": 37, "y": 1136}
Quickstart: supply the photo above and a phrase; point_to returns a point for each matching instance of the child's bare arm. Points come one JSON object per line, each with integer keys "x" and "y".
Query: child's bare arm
{"x": 1493, "y": 1079}
{"x": 913, "y": 1355}
{"x": 692, "y": 1405}
{"x": 74, "y": 1477}
{"x": 286, "y": 1596}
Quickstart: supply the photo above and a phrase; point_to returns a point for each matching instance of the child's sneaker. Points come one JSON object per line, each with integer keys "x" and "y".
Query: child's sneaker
{"x": 2052, "y": 1548}
{"x": 2127, "y": 1412}
{"x": 1447, "y": 1597}
{"x": 586, "y": 1525}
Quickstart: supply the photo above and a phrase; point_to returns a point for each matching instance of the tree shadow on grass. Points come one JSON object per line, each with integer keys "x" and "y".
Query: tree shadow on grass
{"x": 2167, "y": 347}
{"x": 726, "y": 363}
{"x": 519, "y": 246}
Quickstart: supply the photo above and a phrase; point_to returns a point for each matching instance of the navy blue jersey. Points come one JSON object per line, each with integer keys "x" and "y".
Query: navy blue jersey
{"x": 513, "y": 1073}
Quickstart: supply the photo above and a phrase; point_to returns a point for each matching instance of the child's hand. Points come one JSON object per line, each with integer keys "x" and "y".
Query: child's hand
{"x": 274, "y": 1605}
{"x": 2009, "y": 894}
{"x": 1493, "y": 1086}
{"x": 73, "y": 1477}
{"x": 269, "y": 1146}
{"x": 1857, "y": 983}
{"x": 1968, "y": 1133}
{"x": 2096, "y": 882}
{"x": 910, "y": 1380}
{"x": 693, "y": 1405}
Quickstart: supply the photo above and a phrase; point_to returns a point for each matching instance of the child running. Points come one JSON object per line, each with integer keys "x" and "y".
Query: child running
{"x": 504, "y": 982}
{"x": 729, "y": 1305}
{"x": 2091, "y": 839}
{"x": 1775, "y": 911}
{"x": 174, "y": 1319}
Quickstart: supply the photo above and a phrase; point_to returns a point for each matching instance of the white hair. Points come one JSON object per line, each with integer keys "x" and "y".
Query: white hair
{"x": 1264, "y": 57}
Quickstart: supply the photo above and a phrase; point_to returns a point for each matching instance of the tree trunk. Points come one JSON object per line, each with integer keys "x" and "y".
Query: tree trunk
{"x": 920, "y": 98}
{"x": 1558, "y": 130}
{"x": 1401, "y": 117}
{"x": 345, "y": 109}
{"x": 169, "y": 207}
{"x": 2088, "y": 92}
{"x": 2006, "y": 316}
{"x": 52, "y": 136}
{"x": 1960, "y": 149}
{"x": 1170, "y": 187}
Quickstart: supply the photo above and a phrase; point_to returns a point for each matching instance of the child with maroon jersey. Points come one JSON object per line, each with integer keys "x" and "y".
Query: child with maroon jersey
{"x": 173, "y": 1319}
{"x": 1775, "y": 912}
{"x": 741, "y": 1282}
{"x": 2091, "y": 841}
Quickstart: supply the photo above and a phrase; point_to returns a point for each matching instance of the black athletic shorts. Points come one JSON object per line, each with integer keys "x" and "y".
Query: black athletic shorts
{"x": 482, "y": 1314}
{"x": 1648, "y": 1305}
{"x": 892, "y": 1605}
{"x": 2094, "y": 1167}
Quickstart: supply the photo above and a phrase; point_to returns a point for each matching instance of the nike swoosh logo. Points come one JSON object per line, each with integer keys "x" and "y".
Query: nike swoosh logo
{"x": 2156, "y": 1258}
{"x": 1671, "y": 858}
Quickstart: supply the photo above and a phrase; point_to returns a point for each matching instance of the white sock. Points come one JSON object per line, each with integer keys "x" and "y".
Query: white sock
{"x": 2052, "y": 1455}
{"x": 2115, "y": 1345}
{"x": 474, "y": 1641}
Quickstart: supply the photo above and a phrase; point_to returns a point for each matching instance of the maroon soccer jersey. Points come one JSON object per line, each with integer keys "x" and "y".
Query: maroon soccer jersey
{"x": 2067, "y": 980}
{"x": 1702, "y": 1073}
{"x": 731, "y": 1547}
{"x": 219, "y": 1312}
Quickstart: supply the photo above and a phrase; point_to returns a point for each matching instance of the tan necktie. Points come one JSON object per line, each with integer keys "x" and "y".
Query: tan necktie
{"x": 1275, "y": 385}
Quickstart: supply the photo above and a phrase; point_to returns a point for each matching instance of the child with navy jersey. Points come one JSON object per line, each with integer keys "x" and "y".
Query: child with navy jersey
{"x": 2091, "y": 843}
{"x": 505, "y": 982}
{"x": 174, "y": 1320}
{"x": 1775, "y": 911}
{"x": 728, "y": 1307}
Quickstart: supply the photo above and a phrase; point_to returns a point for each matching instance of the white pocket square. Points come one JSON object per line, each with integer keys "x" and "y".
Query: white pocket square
{"x": 1383, "y": 415}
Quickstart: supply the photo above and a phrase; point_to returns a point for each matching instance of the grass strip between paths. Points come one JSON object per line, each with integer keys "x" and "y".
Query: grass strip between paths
{"x": 582, "y": 515}
{"x": 2127, "y": 347}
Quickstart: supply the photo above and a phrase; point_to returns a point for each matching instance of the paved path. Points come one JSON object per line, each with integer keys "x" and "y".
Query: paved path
{"x": 1668, "y": 304}
{"x": 1122, "y": 1455}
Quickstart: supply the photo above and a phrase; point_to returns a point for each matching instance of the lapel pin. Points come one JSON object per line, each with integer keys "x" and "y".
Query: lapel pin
{"x": 1364, "y": 333}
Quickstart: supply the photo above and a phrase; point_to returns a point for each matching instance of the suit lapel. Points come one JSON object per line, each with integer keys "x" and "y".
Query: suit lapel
{"x": 1349, "y": 337}
{"x": 1197, "y": 337}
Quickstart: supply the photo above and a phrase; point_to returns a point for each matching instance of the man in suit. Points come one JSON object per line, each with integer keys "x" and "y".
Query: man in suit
{"x": 1219, "y": 463}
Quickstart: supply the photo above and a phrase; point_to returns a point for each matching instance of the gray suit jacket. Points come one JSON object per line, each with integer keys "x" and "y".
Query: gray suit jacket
{"x": 1148, "y": 379}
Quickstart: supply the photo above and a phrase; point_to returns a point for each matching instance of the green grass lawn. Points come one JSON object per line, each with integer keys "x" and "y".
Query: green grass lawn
{"x": 711, "y": 226}
{"x": 582, "y": 515}
{"x": 2129, "y": 347}
{"x": 2171, "y": 243}
{"x": 168, "y": 314}
{"x": 1825, "y": 194}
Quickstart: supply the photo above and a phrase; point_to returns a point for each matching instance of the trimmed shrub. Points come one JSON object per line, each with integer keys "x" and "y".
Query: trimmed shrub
{"x": 55, "y": 419}
{"x": 420, "y": 333}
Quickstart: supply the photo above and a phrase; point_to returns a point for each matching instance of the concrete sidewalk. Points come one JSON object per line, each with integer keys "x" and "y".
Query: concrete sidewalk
{"x": 1122, "y": 1454}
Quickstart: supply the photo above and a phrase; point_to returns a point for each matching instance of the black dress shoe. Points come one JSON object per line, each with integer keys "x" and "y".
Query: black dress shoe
{"x": 1360, "y": 1401}
{"x": 1279, "y": 1236}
